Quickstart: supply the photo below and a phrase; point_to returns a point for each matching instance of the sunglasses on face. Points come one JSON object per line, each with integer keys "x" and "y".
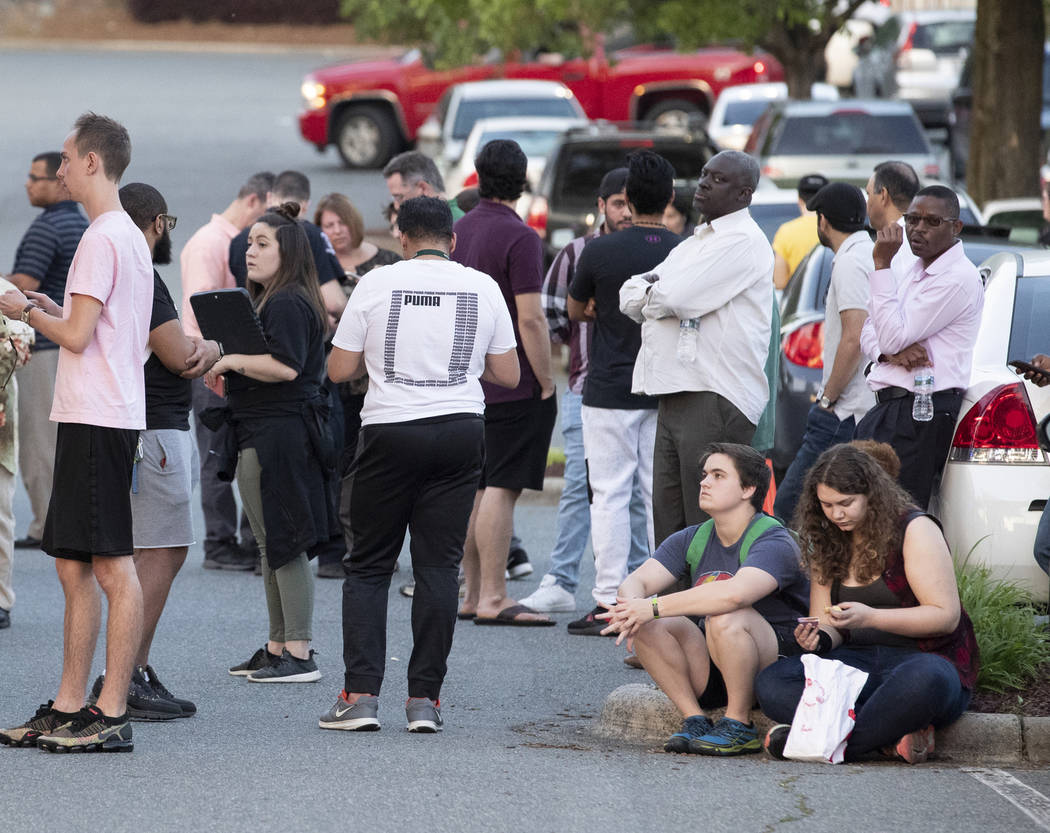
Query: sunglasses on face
{"x": 931, "y": 220}
{"x": 168, "y": 220}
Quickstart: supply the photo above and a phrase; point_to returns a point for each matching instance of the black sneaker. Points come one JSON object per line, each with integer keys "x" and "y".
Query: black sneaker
{"x": 44, "y": 722}
{"x": 518, "y": 564}
{"x": 187, "y": 707}
{"x": 144, "y": 703}
{"x": 589, "y": 625}
{"x": 776, "y": 739}
{"x": 92, "y": 731}
{"x": 288, "y": 669}
{"x": 260, "y": 659}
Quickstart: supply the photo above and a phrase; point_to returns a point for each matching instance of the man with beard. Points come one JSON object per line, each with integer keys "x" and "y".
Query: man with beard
{"x": 927, "y": 318}
{"x": 844, "y": 396}
{"x": 166, "y": 473}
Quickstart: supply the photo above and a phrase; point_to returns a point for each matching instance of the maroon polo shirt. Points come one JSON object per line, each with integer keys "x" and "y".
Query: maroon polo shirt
{"x": 493, "y": 239}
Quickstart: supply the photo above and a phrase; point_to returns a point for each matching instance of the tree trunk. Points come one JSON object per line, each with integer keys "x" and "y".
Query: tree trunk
{"x": 1007, "y": 100}
{"x": 801, "y": 53}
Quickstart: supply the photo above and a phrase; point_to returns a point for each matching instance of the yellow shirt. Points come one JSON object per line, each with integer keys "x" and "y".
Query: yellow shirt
{"x": 796, "y": 239}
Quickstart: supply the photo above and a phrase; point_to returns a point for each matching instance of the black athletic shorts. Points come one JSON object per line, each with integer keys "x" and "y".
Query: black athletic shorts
{"x": 90, "y": 509}
{"x": 517, "y": 438}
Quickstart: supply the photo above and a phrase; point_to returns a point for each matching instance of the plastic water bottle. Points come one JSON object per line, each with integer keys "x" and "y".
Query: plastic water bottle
{"x": 922, "y": 407}
{"x": 688, "y": 339}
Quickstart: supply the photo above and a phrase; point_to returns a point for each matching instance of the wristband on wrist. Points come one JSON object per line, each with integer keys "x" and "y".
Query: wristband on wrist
{"x": 221, "y": 351}
{"x": 656, "y": 607}
{"x": 823, "y": 642}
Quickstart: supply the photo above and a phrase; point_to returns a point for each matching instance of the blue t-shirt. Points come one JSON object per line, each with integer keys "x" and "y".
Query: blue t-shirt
{"x": 774, "y": 552}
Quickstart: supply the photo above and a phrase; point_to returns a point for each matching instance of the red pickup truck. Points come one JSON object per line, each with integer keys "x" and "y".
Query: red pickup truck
{"x": 371, "y": 110}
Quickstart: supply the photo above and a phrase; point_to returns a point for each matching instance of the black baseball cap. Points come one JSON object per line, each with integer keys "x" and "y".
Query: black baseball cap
{"x": 613, "y": 183}
{"x": 810, "y": 184}
{"x": 842, "y": 204}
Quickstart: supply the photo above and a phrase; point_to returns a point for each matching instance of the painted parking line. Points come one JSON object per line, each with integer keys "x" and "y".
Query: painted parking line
{"x": 1029, "y": 801}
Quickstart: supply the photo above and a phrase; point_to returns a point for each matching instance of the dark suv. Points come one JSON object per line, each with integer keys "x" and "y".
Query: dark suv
{"x": 564, "y": 205}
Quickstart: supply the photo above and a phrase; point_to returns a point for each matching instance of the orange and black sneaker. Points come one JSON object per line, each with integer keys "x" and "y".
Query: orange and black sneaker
{"x": 45, "y": 721}
{"x": 92, "y": 731}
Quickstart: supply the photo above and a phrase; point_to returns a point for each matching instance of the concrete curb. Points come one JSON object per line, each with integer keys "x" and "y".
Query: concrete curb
{"x": 642, "y": 713}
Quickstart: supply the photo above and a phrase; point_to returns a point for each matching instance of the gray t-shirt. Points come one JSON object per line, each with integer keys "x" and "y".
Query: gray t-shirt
{"x": 850, "y": 269}
{"x": 774, "y": 552}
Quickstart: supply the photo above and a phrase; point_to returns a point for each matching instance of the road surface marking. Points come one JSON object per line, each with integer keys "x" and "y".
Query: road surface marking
{"x": 1029, "y": 801}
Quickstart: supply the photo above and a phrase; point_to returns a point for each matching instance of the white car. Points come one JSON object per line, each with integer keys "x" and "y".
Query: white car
{"x": 537, "y": 136}
{"x": 444, "y": 133}
{"x": 1022, "y": 215}
{"x": 738, "y": 107}
{"x": 996, "y": 481}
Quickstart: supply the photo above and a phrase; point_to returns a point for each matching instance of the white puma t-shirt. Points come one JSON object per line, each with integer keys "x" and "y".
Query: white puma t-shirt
{"x": 425, "y": 327}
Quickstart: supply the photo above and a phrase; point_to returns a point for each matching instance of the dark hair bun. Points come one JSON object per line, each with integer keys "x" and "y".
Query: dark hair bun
{"x": 287, "y": 209}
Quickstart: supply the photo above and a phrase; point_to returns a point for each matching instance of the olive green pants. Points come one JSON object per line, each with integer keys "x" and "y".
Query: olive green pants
{"x": 289, "y": 589}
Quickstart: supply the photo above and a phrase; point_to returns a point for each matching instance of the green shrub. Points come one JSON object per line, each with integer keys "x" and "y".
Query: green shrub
{"x": 555, "y": 455}
{"x": 1015, "y": 649}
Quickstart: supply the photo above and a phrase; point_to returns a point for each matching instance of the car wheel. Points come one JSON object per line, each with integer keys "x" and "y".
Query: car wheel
{"x": 366, "y": 137}
{"x": 675, "y": 113}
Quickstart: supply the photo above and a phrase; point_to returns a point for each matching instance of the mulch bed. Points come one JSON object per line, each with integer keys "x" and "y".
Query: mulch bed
{"x": 1033, "y": 701}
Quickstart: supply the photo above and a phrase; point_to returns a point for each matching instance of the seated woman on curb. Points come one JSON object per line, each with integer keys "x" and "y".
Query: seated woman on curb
{"x": 883, "y": 587}
{"x": 703, "y": 646}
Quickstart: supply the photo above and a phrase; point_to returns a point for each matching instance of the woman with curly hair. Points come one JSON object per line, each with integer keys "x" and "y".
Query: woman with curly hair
{"x": 883, "y": 589}
{"x": 280, "y": 419}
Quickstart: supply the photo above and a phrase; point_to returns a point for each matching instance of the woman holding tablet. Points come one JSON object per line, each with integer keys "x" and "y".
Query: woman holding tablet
{"x": 279, "y": 417}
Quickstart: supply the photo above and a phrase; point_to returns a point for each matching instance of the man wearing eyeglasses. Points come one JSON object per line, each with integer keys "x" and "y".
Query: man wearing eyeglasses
{"x": 927, "y": 317}
{"x": 41, "y": 265}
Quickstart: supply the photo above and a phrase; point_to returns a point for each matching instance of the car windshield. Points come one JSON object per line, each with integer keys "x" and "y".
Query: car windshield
{"x": 576, "y": 186}
{"x": 470, "y": 111}
{"x": 744, "y": 112}
{"x": 1028, "y": 327}
{"x": 848, "y": 133}
{"x": 945, "y": 37}
{"x": 537, "y": 144}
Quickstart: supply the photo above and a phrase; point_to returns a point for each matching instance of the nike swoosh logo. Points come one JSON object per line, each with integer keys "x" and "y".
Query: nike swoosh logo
{"x": 340, "y": 713}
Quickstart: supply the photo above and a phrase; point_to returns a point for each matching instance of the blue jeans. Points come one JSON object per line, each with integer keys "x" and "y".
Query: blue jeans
{"x": 907, "y": 690}
{"x": 823, "y": 430}
{"x": 573, "y": 524}
{"x": 1042, "y": 540}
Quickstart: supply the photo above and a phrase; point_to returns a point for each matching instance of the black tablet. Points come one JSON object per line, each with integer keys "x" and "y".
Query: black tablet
{"x": 228, "y": 317}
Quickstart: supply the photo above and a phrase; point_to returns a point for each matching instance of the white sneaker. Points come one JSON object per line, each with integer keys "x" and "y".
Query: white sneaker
{"x": 550, "y": 597}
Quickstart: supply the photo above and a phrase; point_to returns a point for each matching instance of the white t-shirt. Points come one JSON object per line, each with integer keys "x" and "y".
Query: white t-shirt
{"x": 425, "y": 327}
{"x": 104, "y": 385}
{"x": 848, "y": 290}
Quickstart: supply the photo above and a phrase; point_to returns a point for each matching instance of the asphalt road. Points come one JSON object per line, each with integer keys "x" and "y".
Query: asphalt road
{"x": 518, "y": 752}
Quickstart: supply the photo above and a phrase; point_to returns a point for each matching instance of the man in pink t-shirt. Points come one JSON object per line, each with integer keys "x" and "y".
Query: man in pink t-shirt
{"x": 102, "y": 330}
{"x": 205, "y": 262}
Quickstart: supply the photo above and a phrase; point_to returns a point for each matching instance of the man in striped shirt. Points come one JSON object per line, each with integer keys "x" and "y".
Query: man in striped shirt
{"x": 556, "y": 593}
{"x": 41, "y": 265}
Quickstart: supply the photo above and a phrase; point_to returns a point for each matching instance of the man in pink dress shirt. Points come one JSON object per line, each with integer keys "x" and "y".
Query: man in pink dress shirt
{"x": 205, "y": 262}
{"x": 927, "y": 317}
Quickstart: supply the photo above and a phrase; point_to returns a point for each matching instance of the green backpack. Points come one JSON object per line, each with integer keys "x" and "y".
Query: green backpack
{"x": 759, "y": 524}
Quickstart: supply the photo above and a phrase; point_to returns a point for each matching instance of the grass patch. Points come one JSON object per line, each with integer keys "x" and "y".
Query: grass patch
{"x": 1015, "y": 648}
{"x": 555, "y": 455}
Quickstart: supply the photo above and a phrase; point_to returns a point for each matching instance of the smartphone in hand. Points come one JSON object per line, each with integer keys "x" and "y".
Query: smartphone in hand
{"x": 1027, "y": 367}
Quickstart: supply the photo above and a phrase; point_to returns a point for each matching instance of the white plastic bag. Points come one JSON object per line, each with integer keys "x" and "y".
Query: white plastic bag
{"x": 824, "y": 717}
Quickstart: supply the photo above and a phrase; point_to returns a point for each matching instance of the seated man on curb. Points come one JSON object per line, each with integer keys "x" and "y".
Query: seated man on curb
{"x": 703, "y": 646}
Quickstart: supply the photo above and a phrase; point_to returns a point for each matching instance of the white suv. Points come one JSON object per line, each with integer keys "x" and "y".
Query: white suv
{"x": 996, "y": 481}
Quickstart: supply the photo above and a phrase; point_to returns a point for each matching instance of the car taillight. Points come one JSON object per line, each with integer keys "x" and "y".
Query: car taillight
{"x": 933, "y": 171}
{"x": 772, "y": 172}
{"x": 805, "y": 346}
{"x": 760, "y": 68}
{"x": 1000, "y": 428}
{"x": 537, "y": 219}
{"x": 471, "y": 180}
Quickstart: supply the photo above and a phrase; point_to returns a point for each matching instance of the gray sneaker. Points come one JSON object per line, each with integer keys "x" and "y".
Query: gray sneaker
{"x": 362, "y": 716}
{"x": 424, "y": 715}
{"x": 288, "y": 669}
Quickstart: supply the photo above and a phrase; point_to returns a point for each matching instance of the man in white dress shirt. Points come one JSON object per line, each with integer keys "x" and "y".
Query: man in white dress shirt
{"x": 720, "y": 279}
